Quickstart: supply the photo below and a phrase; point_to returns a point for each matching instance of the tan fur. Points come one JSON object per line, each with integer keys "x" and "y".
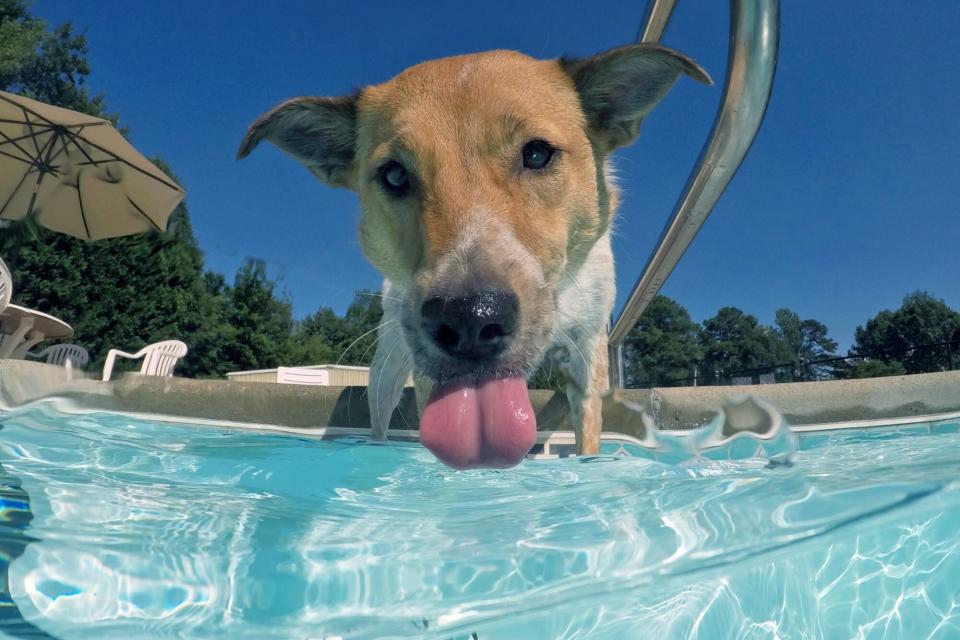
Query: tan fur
{"x": 458, "y": 123}
{"x": 587, "y": 404}
{"x": 475, "y": 214}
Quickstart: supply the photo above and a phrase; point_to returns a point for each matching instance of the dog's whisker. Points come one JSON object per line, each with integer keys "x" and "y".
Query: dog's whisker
{"x": 586, "y": 366}
{"x": 565, "y": 274}
{"x": 575, "y": 321}
{"x": 377, "y": 341}
{"x": 376, "y": 400}
{"x": 350, "y": 346}
{"x": 576, "y": 281}
{"x": 403, "y": 372}
{"x": 374, "y": 294}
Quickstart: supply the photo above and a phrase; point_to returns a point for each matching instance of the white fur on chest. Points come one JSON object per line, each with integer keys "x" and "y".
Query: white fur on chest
{"x": 585, "y": 298}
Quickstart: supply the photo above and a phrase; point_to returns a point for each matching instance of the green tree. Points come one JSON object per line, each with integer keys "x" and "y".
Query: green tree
{"x": 362, "y": 319}
{"x": 325, "y": 337}
{"x": 20, "y": 35}
{"x": 905, "y": 336}
{"x": 877, "y": 369}
{"x": 315, "y": 336}
{"x": 47, "y": 65}
{"x": 207, "y": 330}
{"x": 262, "y": 322}
{"x": 663, "y": 347}
{"x": 551, "y": 374}
{"x": 734, "y": 341}
{"x": 49, "y": 273}
{"x": 124, "y": 292}
{"x": 805, "y": 341}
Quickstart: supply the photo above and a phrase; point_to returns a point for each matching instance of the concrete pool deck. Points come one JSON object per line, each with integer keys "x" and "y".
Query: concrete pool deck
{"x": 806, "y": 404}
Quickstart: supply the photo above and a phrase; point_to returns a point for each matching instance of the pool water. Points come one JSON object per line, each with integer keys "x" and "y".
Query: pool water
{"x": 122, "y": 528}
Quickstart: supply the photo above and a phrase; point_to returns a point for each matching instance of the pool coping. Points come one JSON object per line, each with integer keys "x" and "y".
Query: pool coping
{"x": 807, "y": 406}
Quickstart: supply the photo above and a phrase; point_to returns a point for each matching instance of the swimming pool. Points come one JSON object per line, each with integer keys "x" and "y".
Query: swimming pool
{"x": 126, "y": 528}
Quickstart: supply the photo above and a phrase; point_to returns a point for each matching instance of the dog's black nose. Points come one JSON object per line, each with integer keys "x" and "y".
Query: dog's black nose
{"x": 471, "y": 327}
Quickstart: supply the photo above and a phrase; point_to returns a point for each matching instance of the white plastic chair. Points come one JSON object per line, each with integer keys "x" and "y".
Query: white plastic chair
{"x": 303, "y": 375}
{"x": 61, "y": 353}
{"x": 6, "y": 286}
{"x": 159, "y": 358}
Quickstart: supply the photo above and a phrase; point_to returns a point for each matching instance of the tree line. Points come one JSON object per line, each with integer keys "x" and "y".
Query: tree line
{"x": 128, "y": 292}
{"x": 668, "y": 348}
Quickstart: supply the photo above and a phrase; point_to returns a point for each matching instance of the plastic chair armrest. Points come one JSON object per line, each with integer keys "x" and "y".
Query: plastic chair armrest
{"x": 111, "y": 356}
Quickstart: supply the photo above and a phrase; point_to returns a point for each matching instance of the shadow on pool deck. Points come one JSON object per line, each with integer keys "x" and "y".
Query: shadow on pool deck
{"x": 802, "y": 404}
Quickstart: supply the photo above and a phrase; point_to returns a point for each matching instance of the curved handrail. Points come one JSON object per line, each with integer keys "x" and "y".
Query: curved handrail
{"x": 655, "y": 20}
{"x": 751, "y": 66}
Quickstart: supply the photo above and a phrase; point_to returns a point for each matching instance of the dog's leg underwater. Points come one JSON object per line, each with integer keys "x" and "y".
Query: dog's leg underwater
{"x": 588, "y": 380}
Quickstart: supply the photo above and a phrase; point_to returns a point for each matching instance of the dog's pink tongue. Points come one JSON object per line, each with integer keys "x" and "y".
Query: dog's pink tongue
{"x": 483, "y": 424}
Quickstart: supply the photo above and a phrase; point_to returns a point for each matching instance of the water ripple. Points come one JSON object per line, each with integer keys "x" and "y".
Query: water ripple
{"x": 150, "y": 530}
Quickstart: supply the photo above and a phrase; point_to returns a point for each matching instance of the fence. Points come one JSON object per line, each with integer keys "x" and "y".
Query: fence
{"x": 938, "y": 356}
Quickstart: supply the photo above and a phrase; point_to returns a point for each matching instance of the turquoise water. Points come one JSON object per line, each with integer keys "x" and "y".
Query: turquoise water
{"x": 121, "y": 528}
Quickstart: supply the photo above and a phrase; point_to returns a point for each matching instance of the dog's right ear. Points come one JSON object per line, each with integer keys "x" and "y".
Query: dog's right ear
{"x": 319, "y": 132}
{"x": 618, "y": 88}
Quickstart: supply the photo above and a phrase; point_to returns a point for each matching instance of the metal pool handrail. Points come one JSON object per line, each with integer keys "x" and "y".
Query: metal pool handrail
{"x": 655, "y": 20}
{"x": 751, "y": 64}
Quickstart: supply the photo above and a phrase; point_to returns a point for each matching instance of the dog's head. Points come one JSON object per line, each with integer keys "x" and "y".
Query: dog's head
{"x": 482, "y": 183}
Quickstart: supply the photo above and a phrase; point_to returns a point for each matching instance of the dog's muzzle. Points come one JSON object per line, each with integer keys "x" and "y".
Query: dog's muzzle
{"x": 476, "y": 416}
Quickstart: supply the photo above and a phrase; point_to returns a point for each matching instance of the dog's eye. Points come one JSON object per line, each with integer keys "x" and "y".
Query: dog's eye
{"x": 394, "y": 178}
{"x": 537, "y": 154}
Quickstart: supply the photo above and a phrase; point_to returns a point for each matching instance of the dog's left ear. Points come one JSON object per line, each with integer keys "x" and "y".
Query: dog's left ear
{"x": 619, "y": 87}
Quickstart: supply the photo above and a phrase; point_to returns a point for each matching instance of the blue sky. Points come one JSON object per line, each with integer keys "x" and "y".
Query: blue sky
{"x": 846, "y": 202}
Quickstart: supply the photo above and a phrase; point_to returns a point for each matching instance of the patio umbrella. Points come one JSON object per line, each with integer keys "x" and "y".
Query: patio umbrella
{"x": 76, "y": 174}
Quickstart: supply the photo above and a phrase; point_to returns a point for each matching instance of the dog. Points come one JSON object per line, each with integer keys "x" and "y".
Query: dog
{"x": 486, "y": 203}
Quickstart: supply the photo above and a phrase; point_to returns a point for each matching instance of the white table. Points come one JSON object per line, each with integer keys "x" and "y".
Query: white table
{"x": 21, "y": 328}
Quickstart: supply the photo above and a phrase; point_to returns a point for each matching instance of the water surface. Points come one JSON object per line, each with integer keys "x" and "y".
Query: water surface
{"x": 123, "y": 528}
